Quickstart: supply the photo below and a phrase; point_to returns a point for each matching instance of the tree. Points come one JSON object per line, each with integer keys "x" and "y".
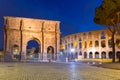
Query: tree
{"x": 108, "y": 14}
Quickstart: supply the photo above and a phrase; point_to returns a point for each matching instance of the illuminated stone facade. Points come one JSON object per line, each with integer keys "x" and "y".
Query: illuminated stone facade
{"x": 93, "y": 44}
{"x": 18, "y": 31}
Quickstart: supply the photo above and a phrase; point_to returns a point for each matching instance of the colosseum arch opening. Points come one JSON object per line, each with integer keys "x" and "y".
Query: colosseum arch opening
{"x": 50, "y": 53}
{"x": 96, "y": 54}
{"x": 19, "y": 31}
{"x": 85, "y": 54}
{"x": 90, "y": 55}
{"x": 103, "y": 55}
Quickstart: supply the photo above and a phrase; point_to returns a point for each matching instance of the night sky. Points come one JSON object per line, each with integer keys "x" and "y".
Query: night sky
{"x": 75, "y": 15}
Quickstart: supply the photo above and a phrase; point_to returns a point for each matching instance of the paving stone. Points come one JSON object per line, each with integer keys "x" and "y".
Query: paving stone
{"x": 55, "y": 71}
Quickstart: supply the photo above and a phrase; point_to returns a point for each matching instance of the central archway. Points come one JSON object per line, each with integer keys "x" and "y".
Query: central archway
{"x": 33, "y": 49}
{"x": 50, "y": 52}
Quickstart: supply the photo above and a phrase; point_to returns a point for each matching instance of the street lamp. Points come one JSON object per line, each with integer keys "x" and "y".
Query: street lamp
{"x": 72, "y": 50}
{"x": 72, "y": 53}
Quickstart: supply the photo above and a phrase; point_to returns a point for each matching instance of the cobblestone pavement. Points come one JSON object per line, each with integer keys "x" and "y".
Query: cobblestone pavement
{"x": 55, "y": 71}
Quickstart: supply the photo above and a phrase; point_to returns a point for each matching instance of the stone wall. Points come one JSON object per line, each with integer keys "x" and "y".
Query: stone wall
{"x": 87, "y": 37}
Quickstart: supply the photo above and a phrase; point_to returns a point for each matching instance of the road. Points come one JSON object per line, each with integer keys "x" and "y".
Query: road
{"x": 55, "y": 71}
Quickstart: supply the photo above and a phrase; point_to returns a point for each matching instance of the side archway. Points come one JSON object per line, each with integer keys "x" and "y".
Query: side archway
{"x": 50, "y": 52}
{"x": 15, "y": 51}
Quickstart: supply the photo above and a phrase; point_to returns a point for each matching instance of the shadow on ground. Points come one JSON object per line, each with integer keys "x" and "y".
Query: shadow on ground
{"x": 108, "y": 65}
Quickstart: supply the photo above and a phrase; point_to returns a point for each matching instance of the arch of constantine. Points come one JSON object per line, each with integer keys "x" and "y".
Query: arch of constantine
{"x": 19, "y": 31}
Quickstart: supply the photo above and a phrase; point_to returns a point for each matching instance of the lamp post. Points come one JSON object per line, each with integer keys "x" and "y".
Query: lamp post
{"x": 72, "y": 52}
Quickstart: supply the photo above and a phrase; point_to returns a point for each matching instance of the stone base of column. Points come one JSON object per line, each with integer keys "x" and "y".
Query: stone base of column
{"x": 58, "y": 58}
{"x": 44, "y": 58}
{"x": 23, "y": 57}
{"x": 39, "y": 57}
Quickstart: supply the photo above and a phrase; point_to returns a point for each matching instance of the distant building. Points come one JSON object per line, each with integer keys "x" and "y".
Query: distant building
{"x": 19, "y": 31}
{"x": 90, "y": 45}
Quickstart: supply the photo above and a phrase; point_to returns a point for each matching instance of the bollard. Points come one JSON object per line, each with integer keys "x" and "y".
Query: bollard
{"x": 66, "y": 59}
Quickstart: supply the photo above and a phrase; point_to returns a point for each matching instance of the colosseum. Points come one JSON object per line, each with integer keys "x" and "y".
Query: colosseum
{"x": 90, "y": 45}
{"x": 19, "y": 31}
